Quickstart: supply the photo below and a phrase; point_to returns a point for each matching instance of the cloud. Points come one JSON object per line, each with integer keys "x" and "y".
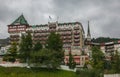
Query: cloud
{"x": 103, "y": 14}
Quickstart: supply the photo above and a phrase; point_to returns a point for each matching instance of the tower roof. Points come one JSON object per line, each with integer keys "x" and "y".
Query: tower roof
{"x": 88, "y": 32}
{"x": 20, "y": 20}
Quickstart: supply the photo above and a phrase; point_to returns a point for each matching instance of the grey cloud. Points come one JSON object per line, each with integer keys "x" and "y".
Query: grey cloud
{"x": 103, "y": 14}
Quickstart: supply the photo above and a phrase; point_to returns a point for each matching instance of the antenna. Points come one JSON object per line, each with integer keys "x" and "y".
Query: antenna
{"x": 50, "y": 17}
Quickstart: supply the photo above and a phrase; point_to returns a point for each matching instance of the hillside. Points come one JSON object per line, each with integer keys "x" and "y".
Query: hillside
{"x": 4, "y": 42}
{"x": 104, "y": 39}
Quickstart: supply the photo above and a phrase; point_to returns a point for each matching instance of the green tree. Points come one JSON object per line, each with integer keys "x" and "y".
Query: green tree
{"x": 22, "y": 51}
{"x": 13, "y": 49}
{"x": 25, "y": 47}
{"x": 71, "y": 63}
{"x": 54, "y": 44}
{"x": 45, "y": 57}
{"x": 97, "y": 58}
{"x": 37, "y": 46}
{"x": 116, "y": 62}
{"x": 12, "y": 53}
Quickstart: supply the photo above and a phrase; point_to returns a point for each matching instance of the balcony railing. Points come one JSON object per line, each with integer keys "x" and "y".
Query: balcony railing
{"x": 40, "y": 31}
{"x": 67, "y": 41}
{"x": 14, "y": 39}
{"x": 76, "y": 40}
{"x": 29, "y": 31}
{"x": 76, "y": 28}
{"x": 14, "y": 36}
{"x": 76, "y": 36}
{"x": 76, "y": 33}
{"x": 76, "y": 44}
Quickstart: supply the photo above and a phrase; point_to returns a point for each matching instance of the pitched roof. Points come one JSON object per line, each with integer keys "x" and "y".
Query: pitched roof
{"x": 88, "y": 32}
{"x": 20, "y": 20}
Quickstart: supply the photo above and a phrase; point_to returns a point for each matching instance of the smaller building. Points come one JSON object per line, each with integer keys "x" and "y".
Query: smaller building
{"x": 108, "y": 48}
{"x": 3, "y": 51}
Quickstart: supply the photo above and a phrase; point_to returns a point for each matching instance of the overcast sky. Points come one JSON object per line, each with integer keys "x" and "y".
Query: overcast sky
{"x": 104, "y": 15}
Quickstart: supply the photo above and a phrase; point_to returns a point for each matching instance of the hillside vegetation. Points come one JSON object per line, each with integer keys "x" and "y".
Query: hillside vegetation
{"x": 104, "y": 39}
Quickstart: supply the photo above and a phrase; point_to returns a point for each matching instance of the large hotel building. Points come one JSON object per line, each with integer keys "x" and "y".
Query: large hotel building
{"x": 72, "y": 35}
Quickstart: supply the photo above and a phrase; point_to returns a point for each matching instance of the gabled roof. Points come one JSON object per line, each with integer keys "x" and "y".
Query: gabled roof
{"x": 20, "y": 20}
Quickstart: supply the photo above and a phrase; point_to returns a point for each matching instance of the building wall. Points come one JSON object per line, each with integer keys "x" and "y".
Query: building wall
{"x": 79, "y": 60}
{"x": 72, "y": 34}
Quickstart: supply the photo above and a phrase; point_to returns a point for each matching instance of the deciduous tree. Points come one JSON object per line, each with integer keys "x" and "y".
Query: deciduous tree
{"x": 97, "y": 58}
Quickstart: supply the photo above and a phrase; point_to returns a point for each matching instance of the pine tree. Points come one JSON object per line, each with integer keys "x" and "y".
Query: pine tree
{"x": 25, "y": 47}
{"x": 71, "y": 63}
{"x": 97, "y": 58}
{"x": 54, "y": 44}
{"x": 37, "y": 46}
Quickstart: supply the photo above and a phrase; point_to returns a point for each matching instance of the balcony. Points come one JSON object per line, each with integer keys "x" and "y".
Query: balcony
{"x": 52, "y": 30}
{"x": 76, "y": 33}
{"x": 66, "y": 33}
{"x": 35, "y": 31}
{"x": 66, "y": 37}
{"x": 67, "y": 41}
{"x": 35, "y": 39}
{"x": 76, "y": 40}
{"x": 40, "y": 31}
{"x": 109, "y": 47}
{"x": 52, "y": 26}
{"x": 76, "y": 44}
{"x": 66, "y": 46}
{"x": 59, "y": 29}
{"x": 14, "y": 36}
{"x": 14, "y": 39}
{"x": 64, "y": 29}
{"x": 40, "y": 35}
{"x": 42, "y": 42}
{"x": 109, "y": 50}
{"x": 43, "y": 39}
{"x": 76, "y": 28}
{"x": 29, "y": 31}
{"x": 69, "y": 29}
{"x": 76, "y": 36}
{"x": 13, "y": 31}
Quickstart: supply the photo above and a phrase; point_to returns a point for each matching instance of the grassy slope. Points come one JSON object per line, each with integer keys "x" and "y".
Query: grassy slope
{"x": 24, "y": 72}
